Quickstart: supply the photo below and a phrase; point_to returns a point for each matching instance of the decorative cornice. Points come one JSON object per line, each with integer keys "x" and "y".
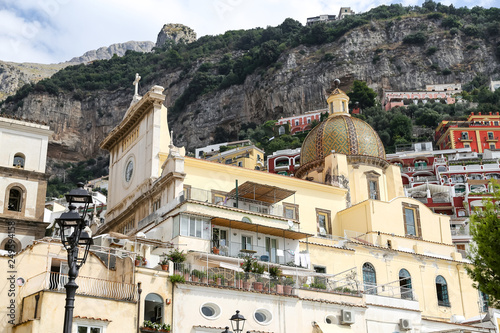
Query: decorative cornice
{"x": 137, "y": 112}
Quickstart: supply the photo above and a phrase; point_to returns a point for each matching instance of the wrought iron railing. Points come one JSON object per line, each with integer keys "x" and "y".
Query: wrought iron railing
{"x": 86, "y": 286}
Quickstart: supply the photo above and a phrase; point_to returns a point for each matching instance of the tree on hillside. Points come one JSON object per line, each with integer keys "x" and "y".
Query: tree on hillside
{"x": 362, "y": 94}
{"x": 484, "y": 251}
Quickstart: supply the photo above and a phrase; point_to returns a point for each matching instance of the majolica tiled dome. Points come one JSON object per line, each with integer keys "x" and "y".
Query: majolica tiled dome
{"x": 343, "y": 134}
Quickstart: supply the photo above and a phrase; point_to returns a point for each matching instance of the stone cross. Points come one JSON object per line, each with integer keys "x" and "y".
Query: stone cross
{"x": 136, "y": 84}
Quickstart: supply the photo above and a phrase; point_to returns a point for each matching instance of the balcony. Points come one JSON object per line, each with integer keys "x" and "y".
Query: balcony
{"x": 237, "y": 250}
{"x": 87, "y": 286}
{"x": 292, "y": 280}
{"x": 237, "y": 279}
{"x": 424, "y": 179}
{"x": 262, "y": 199}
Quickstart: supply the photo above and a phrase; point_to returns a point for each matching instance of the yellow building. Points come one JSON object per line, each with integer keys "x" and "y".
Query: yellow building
{"x": 249, "y": 157}
{"x": 354, "y": 253}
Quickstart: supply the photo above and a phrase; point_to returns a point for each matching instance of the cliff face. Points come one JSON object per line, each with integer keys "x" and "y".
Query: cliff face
{"x": 374, "y": 53}
{"x": 107, "y": 52}
{"x": 14, "y": 75}
{"x": 175, "y": 33}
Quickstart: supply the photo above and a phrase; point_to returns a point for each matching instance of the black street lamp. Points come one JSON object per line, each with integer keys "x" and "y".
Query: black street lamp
{"x": 74, "y": 233}
{"x": 237, "y": 322}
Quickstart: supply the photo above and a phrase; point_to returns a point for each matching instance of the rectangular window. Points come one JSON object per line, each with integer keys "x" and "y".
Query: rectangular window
{"x": 410, "y": 221}
{"x": 88, "y": 329}
{"x": 372, "y": 183}
{"x": 291, "y": 211}
{"x": 465, "y": 136}
{"x": 272, "y": 249}
{"x": 492, "y": 146}
{"x": 193, "y": 226}
{"x": 246, "y": 242}
{"x": 373, "y": 188}
{"x": 218, "y": 197}
{"x": 323, "y": 221}
{"x": 411, "y": 218}
{"x": 490, "y": 135}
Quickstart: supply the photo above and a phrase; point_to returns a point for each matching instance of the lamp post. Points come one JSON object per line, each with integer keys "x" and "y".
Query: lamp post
{"x": 74, "y": 233}
{"x": 237, "y": 322}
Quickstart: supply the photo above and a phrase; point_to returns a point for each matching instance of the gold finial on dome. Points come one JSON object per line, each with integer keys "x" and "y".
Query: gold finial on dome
{"x": 338, "y": 101}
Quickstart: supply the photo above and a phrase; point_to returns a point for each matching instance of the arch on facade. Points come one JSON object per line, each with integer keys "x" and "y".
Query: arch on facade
{"x": 154, "y": 308}
{"x": 369, "y": 278}
{"x": 15, "y": 198}
{"x": 19, "y": 160}
{"x": 405, "y": 284}
{"x": 11, "y": 244}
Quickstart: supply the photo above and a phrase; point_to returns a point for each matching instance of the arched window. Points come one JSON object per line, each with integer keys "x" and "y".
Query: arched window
{"x": 153, "y": 308}
{"x": 15, "y": 195}
{"x": 281, "y": 130}
{"x": 369, "y": 278}
{"x": 19, "y": 161}
{"x": 405, "y": 284}
{"x": 442, "y": 291}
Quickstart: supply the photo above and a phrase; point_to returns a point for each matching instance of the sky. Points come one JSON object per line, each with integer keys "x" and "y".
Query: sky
{"x": 53, "y": 31}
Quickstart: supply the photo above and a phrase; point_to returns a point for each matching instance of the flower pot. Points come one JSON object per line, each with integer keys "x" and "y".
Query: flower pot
{"x": 164, "y": 267}
{"x": 186, "y": 276}
{"x": 219, "y": 281}
{"x": 279, "y": 288}
{"x": 137, "y": 262}
{"x": 238, "y": 284}
{"x": 204, "y": 280}
{"x": 246, "y": 285}
{"x": 287, "y": 290}
{"x": 194, "y": 278}
{"x": 258, "y": 286}
{"x": 215, "y": 250}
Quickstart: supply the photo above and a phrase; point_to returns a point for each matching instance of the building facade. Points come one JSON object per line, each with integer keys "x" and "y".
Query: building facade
{"x": 479, "y": 132}
{"x": 338, "y": 247}
{"x": 23, "y": 182}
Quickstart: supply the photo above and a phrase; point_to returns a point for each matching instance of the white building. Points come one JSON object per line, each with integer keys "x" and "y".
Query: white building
{"x": 23, "y": 182}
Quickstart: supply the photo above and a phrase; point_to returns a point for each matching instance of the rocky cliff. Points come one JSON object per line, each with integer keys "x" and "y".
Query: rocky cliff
{"x": 297, "y": 83}
{"x": 175, "y": 33}
{"x": 14, "y": 75}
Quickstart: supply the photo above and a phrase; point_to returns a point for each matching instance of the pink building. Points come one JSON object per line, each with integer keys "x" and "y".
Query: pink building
{"x": 301, "y": 122}
{"x": 396, "y": 98}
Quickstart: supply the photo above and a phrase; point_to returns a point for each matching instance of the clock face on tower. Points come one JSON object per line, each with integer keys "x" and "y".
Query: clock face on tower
{"x": 129, "y": 170}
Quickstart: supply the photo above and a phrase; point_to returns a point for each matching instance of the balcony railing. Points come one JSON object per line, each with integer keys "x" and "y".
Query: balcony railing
{"x": 237, "y": 279}
{"x": 395, "y": 289}
{"x": 256, "y": 206}
{"x": 88, "y": 286}
{"x": 425, "y": 178}
{"x": 262, "y": 253}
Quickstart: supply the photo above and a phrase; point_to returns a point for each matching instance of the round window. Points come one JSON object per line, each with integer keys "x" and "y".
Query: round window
{"x": 263, "y": 316}
{"x": 210, "y": 311}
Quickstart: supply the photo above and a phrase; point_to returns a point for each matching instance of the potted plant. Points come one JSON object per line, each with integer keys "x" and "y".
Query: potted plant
{"x": 187, "y": 274}
{"x": 247, "y": 266}
{"x": 140, "y": 260}
{"x": 275, "y": 274}
{"x": 177, "y": 257}
{"x": 238, "y": 277}
{"x": 148, "y": 326}
{"x": 215, "y": 250}
{"x": 164, "y": 263}
{"x": 287, "y": 288}
{"x": 258, "y": 285}
{"x": 165, "y": 328}
{"x": 175, "y": 278}
{"x": 196, "y": 275}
